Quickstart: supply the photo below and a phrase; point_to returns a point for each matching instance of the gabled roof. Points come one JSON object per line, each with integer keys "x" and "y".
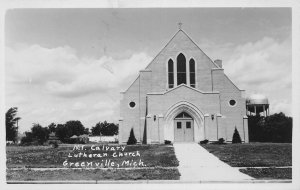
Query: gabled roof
{"x": 74, "y": 137}
{"x": 181, "y": 31}
{"x": 84, "y": 135}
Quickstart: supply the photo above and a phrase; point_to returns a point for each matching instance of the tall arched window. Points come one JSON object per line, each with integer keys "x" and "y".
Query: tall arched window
{"x": 192, "y": 73}
{"x": 170, "y": 73}
{"x": 181, "y": 69}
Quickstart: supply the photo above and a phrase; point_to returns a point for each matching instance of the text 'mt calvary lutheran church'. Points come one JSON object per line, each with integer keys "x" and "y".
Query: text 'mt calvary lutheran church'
{"x": 182, "y": 96}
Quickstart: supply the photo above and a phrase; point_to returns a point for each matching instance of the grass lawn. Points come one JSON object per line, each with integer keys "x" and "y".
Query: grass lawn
{"x": 253, "y": 154}
{"x": 83, "y": 174}
{"x": 46, "y": 156}
{"x": 269, "y": 173}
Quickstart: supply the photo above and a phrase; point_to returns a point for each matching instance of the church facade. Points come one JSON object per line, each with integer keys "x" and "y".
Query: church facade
{"x": 182, "y": 96}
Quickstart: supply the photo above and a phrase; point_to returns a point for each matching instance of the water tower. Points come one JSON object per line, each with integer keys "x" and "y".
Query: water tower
{"x": 257, "y": 104}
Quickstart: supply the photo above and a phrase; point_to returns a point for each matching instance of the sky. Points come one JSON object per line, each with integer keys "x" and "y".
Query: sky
{"x": 72, "y": 64}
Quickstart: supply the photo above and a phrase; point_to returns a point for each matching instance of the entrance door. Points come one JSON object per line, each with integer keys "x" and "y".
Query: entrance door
{"x": 184, "y": 128}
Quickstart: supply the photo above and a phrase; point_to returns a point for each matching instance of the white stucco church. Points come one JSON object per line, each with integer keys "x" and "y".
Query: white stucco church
{"x": 182, "y": 96}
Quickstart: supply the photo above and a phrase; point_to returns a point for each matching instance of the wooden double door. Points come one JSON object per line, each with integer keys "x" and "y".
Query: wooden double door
{"x": 184, "y": 130}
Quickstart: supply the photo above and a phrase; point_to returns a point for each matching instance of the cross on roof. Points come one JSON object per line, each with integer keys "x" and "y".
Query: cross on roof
{"x": 179, "y": 25}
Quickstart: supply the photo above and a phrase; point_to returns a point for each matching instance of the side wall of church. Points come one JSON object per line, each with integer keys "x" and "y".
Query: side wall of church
{"x": 233, "y": 114}
{"x": 135, "y": 117}
{"x": 130, "y": 116}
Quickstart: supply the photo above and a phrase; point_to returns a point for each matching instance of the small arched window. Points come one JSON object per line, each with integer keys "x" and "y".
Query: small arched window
{"x": 170, "y": 73}
{"x": 192, "y": 73}
{"x": 183, "y": 115}
{"x": 181, "y": 69}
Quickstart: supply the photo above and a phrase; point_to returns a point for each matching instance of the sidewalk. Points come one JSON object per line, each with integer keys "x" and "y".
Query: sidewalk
{"x": 197, "y": 165}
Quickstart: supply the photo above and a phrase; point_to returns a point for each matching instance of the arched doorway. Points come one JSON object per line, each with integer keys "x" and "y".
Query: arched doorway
{"x": 183, "y": 128}
{"x": 193, "y": 111}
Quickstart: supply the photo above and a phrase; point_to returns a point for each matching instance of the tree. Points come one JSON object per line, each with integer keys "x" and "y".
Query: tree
{"x": 52, "y": 127}
{"x": 61, "y": 132}
{"x": 255, "y": 131}
{"x": 236, "y": 137}
{"x": 39, "y": 133}
{"x": 276, "y": 128}
{"x": 131, "y": 139}
{"x": 74, "y": 128}
{"x": 105, "y": 128}
{"x": 11, "y": 120}
{"x": 28, "y": 139}
{"x": 87, "y": 131}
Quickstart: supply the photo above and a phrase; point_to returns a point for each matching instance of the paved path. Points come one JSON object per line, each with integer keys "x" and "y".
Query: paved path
{"x": 196, "y": 164}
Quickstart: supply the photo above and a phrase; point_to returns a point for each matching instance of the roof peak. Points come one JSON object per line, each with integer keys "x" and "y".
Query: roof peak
{"x": 180, "y": 25}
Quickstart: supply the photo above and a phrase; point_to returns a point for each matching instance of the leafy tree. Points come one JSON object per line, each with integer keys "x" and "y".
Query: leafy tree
{"x": 87, "y": 131}
{"x": 236, "y": 137}
{"x": 10, "y": 121}
{"x": 41, "y": 134}
{"x": 131, "y": 139}
{"x": 105, "y": 128}
{"x": 37, "y": 135}
{"x": 61, "y": 132}
{"x": 52, "y": 127}
{"x": 254, "y": 130}
{"x": 74, "y": 128}
{"x": 28, "y": 139}
{"x": 274, "y": 128}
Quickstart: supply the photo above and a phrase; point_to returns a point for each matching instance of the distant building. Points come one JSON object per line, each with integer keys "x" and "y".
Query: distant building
{"x": 99, "y": 139}
{"x": 84, "y": 138}
{"x": 182, "y": 96}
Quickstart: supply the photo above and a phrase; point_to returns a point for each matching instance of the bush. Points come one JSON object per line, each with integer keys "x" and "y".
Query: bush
{"x": 221, "y": 141}
{"x": 168, "y": 142}
{"x": 132, "y": 139}
{"x": 236, "y": 137}
{"x": 204, "y": 141}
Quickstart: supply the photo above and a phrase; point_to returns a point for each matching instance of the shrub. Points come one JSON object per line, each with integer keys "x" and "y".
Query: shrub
{"x": 236, "y": 137}
{"x": 221, "y": 141}
{"x": 168, "y": 142}
{"x": 204, "y": 141}
{"x": 131, "y": 139}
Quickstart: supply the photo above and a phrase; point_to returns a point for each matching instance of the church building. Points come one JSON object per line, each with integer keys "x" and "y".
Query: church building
{"x": 182, "y": 96}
